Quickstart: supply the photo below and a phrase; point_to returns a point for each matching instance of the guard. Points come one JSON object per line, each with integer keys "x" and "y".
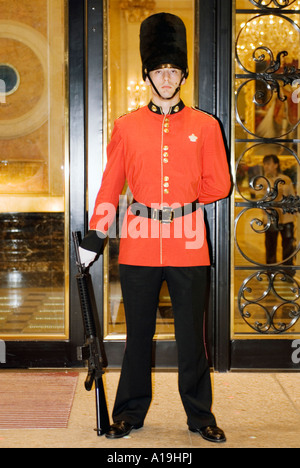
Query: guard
{"x": 174, "y": 160}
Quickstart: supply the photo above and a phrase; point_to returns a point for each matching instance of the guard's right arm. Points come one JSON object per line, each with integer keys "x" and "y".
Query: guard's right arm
{"x": 91, "y": 246}
{"x": 113, "y": 181}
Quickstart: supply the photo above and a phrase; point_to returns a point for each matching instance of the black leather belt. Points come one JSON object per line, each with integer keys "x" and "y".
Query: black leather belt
{"x": 166, "y": 215}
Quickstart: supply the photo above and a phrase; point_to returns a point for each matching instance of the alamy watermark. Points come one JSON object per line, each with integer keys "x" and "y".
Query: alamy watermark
{"x": 296, "y": 353}
{"x": 2, "y": 352}
{"x": 134, "y": 222}
{"x": 2, "y": 92}
{"x": 296, "y": 93}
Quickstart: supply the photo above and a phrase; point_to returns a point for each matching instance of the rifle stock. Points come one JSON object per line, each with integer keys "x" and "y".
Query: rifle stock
{"x": 93, "y": 350}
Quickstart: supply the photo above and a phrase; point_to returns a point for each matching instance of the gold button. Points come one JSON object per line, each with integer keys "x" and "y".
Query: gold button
{"x": 166, "y": 125}
{"x": 166, "y": 160}
{"x": 165, "y": 148}
{"x": 166, "y": 130}
{"x": 166, "y": 191}
{"x": 167, "y": 120}
{"x": 166, "y": 179}
{"x": 166, "y": 155}
{"x": 166, "y": 185}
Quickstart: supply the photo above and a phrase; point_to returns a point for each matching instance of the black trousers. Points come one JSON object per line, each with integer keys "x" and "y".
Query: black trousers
{"x": 141, "y": 288}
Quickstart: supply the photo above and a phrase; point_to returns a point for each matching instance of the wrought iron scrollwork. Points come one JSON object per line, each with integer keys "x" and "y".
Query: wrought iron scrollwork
{"x": 270, "y": 200}
{"x": 270, "y": 76}
{"x": 270, "y": 206}
{"x": 270, "y": 73}
{"x": 288, "y": 203}
{"x": 267, "y": 55}
{"x": 272, "y": 3}
{"x": 268, "y": 220}
{"x": 257, "y": 308}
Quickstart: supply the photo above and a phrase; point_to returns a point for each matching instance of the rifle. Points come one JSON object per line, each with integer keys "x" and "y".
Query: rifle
{"x": 93, "y": 350}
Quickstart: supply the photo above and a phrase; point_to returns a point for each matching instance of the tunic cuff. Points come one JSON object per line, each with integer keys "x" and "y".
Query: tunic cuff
{"x": 93, "y": 241}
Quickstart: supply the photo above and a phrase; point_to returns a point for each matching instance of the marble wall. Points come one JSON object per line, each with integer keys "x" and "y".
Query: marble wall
{"x": 31, "y": 250}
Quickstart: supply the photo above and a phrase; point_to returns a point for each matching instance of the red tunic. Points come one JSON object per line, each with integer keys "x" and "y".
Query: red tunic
{"x": 168, "y": 160}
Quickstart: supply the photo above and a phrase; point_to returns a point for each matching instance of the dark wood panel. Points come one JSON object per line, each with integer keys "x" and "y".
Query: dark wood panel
{"x": 263, "y": 354}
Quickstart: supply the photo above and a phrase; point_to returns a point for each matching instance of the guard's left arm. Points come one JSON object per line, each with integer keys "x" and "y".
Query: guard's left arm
{"x": 216, "y": 180}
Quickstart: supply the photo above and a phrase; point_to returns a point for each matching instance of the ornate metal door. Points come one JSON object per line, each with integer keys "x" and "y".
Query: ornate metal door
{"x": 265, "y": 250}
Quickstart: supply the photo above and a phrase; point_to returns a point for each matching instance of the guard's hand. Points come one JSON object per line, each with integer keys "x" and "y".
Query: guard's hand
{"x": 91, "y": 246}
{"x": 87, "y": 257}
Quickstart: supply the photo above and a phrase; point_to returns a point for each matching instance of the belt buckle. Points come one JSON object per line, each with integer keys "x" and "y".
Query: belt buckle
{"x": 164, "y": 216}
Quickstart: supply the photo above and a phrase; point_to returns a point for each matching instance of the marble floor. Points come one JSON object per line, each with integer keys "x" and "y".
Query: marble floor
{"x": 256, "y": 410}
{"x": 32, "y": 311}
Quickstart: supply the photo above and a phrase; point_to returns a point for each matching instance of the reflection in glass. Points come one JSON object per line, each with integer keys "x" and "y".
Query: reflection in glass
{"x": 269, "y": 188}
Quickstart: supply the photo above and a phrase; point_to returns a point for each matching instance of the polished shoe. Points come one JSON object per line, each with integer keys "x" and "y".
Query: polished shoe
{"x": 211, "y": 433}
{"x": 121, "y": 429}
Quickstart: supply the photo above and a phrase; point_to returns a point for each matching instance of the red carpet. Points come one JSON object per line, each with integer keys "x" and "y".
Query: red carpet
{"x": 36, "y": 400}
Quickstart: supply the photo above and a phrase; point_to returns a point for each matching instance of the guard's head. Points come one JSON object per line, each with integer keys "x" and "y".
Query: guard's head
{"x": 163, "y": 43}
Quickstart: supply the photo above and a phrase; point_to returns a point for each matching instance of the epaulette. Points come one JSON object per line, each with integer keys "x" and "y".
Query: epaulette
{"x": 203, "y": 112}
{"x": 128, "y": 113}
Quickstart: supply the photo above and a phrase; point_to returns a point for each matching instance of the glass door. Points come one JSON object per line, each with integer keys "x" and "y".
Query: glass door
{"x": 34, "y": 172}
{"x": 265, "y": 250}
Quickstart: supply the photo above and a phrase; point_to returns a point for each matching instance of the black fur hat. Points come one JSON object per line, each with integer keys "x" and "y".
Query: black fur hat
{"x": 163, "y": 41}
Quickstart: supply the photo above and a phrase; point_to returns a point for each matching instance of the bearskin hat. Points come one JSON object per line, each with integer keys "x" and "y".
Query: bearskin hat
{"x": 163, "y": 41}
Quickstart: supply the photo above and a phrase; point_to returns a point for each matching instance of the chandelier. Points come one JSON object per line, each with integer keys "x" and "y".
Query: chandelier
{"x": 267, "y": 31}
{"x": 137, "y": 10}
{"x": 137, "y": 95}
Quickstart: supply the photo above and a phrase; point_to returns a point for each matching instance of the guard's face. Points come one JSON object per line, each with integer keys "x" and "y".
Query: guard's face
{"x": 166, "y": 81}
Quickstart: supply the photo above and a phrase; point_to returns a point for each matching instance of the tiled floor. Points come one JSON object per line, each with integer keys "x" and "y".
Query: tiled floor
{"x": 256, "y": 410}
{"x": 35, "y": 311}
{"x": 31, "y": 311}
